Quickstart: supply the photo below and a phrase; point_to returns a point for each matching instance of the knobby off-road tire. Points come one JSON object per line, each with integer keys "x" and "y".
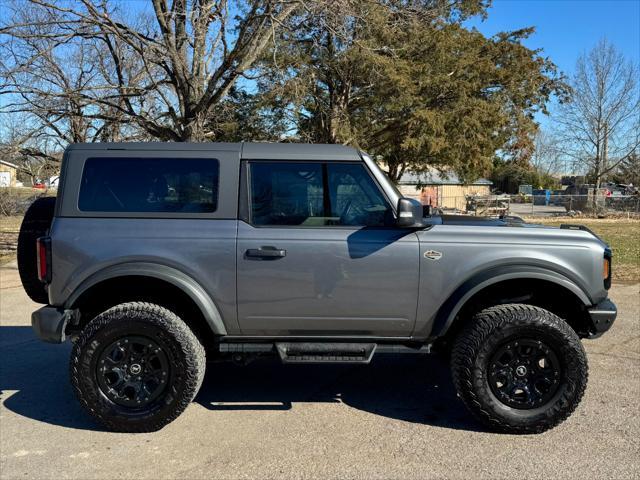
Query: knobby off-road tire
{"x": 136, "y": 340}
{"x": 35, "y": 224}
{"x": 488, "y": 359}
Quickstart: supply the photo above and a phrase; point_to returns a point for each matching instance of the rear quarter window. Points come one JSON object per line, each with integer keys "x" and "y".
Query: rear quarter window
{"x": 145, "y": 185}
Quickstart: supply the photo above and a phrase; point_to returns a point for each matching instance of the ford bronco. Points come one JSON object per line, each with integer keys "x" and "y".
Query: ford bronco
{"x": 155, "y": 257}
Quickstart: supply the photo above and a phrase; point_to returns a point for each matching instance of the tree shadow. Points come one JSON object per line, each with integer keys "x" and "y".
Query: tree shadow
{"x": 34, "y": 383}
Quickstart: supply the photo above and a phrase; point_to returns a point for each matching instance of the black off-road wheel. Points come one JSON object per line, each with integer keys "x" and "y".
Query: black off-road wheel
{"x": 136, "y": 367}
{"x": 36, "y": 223}
{"x": 519, "y": 368}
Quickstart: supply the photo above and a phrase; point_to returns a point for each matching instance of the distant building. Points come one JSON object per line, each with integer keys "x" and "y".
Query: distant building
{"x": 439, "y": 190}
{"x": 8, "y": 174}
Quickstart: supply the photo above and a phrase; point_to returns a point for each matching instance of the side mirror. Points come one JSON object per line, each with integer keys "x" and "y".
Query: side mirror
{"x": 409, "y": 213}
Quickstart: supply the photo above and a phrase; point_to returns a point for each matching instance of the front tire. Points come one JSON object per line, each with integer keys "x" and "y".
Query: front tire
{"x": 519, "y": 368}
{"x": 136, "y": 367}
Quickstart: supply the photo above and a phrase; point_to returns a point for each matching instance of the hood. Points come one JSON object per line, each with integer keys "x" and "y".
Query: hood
{"x": 506, "y": 221}
{"x": 467, "y": 220}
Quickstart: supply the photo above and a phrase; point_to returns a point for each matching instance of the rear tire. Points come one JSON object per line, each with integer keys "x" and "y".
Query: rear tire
{"x": 519, "y": 368}
{"x": 136, "y": 367}
{"x": 36, "y": 223}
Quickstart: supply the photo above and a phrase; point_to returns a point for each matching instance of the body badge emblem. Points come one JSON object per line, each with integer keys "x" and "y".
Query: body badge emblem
{"x": 433, "y": 255}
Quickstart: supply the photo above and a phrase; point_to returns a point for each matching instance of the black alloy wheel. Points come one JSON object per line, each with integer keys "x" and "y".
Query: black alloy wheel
{"x": 524, "y": 373}
{"x": 133, "y": 371}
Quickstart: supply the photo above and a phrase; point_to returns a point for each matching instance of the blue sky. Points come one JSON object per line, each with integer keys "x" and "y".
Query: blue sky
{"x": 565, "y": 29}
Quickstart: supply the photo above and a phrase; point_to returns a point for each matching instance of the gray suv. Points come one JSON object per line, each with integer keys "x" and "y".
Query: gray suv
{"x": 157, "y": 257}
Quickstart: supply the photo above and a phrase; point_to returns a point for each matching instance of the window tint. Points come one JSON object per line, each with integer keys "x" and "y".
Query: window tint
{"x": 316, "y": 194}
{"x": 171, "y": 185}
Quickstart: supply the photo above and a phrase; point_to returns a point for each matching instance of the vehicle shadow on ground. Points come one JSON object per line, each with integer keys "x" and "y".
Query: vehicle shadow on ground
{"x": 34, "y": 383}
{"x": 34, "y": 380}
{"x": 412, "y": 388}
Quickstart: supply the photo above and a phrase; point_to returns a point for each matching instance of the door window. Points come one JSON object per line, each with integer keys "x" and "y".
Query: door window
{"x": 316, "y": 194}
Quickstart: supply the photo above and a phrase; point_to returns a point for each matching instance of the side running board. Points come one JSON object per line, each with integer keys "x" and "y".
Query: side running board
{"x": 303, "y": 352}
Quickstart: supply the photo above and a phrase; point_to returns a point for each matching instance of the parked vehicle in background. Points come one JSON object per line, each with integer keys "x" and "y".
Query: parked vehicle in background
{"x": 156, "y": 257}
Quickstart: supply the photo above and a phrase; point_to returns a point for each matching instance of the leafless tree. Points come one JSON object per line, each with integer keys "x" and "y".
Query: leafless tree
{"x": 547, "y": 156}
{"x": 51, "y": 83}
{"x": 600, "y": 126}
{"x": 36, "y": 156}
{"x": 156, "y": 67}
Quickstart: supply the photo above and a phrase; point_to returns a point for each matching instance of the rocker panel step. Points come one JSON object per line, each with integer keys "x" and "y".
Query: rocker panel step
{"x": 246, "y": 347}
{"x": 312, "y": 352}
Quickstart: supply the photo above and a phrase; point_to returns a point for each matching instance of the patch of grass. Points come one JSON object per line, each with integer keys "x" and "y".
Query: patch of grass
{"x": 10, "y": 224}
{"x": 6, "y": 258}
{"x": 9, "y": 229}
{"x": 622, "y": 235}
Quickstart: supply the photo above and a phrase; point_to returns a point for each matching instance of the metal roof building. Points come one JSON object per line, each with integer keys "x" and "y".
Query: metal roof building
{"x": 441, "y": 190}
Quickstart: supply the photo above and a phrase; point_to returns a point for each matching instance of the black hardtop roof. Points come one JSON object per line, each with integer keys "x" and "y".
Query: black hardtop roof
{"x": 265, "y": 151}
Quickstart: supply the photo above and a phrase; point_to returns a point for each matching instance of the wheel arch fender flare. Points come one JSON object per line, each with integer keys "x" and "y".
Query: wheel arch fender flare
{"x": 171, "y": 275}
{"x": 447, "y": 313}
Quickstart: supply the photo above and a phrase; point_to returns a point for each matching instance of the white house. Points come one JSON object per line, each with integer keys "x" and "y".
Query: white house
{"x": 8, "y": 174}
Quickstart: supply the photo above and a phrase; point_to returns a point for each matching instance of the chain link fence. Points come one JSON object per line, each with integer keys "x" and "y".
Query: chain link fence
{"x": 541, "y": 205}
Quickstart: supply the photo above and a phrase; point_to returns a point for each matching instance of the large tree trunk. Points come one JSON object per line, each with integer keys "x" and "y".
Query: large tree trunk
{"x": 194, "y": 129}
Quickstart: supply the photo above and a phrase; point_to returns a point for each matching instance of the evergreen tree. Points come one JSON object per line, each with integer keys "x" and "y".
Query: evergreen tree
{"x": 412, "y": 86}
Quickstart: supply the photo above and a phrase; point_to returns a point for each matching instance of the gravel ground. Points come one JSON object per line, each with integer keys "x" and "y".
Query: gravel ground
{"x": 395, "y": 418}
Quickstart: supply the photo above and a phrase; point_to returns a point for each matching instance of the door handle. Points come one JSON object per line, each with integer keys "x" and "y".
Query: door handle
{"x": 266, "y": 252}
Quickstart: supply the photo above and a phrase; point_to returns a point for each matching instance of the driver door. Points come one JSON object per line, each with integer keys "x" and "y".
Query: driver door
{"x": 318, "y": 253}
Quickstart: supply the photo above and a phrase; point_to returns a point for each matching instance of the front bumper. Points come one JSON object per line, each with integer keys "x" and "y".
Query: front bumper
{"x": 602, "y": 317}
{"x": 50, "y": 323}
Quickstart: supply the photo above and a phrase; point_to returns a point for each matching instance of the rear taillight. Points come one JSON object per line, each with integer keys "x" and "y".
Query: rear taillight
{"x": 43, "y": 248}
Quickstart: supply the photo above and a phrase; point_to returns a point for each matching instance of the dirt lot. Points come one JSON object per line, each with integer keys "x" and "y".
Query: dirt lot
{"x": 396, "y": 418}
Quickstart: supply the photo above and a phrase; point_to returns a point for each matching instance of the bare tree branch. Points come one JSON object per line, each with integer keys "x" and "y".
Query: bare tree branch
{"x": 160, "y": 67}
{"x": 600, "y": 126}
